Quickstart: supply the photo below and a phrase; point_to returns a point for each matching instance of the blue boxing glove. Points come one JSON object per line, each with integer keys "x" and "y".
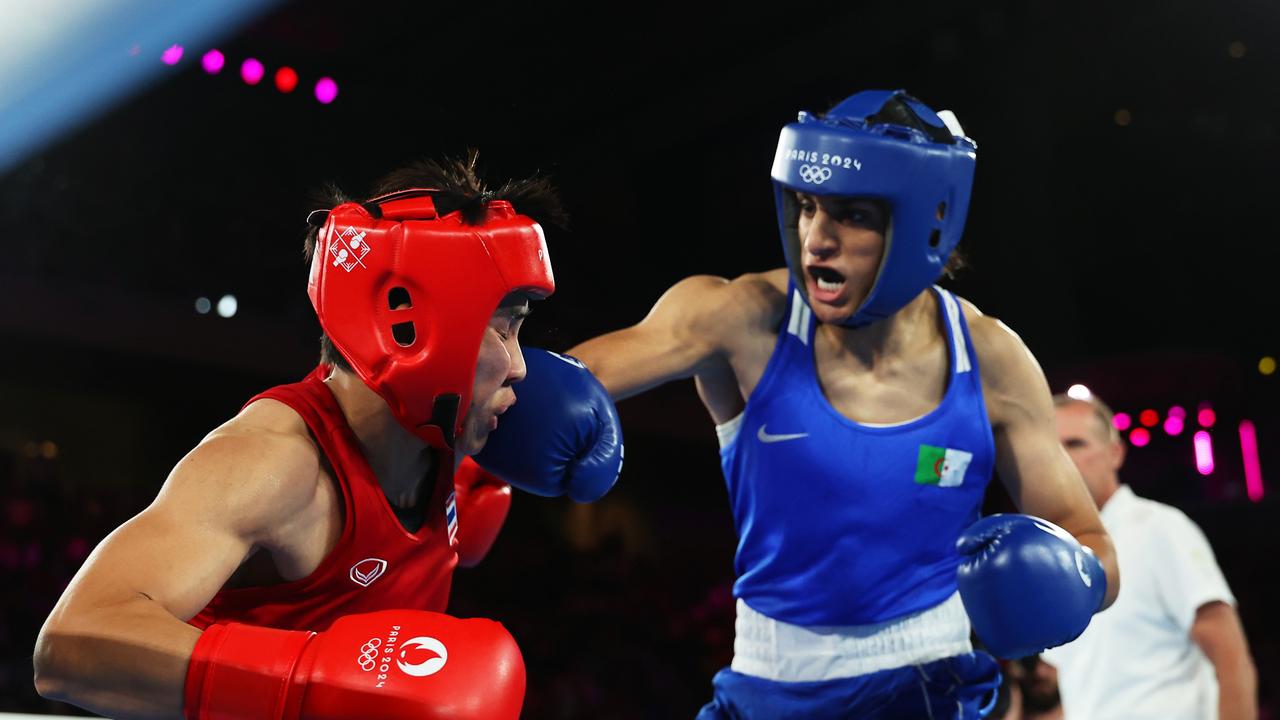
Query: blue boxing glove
{"x": 562, "y": 435}
{"x": 1026, "y": 584}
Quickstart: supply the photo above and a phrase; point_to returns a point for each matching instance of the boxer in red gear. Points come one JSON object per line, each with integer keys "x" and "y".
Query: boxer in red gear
{"x": 297, "y": 562}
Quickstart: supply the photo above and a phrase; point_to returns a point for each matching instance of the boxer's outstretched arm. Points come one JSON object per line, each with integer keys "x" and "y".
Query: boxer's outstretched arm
{"x": 1033, "y": 466}
{"x": 694, "y": 329}
{"x": 117, "y": 642}
{"x": 670, "y": 343}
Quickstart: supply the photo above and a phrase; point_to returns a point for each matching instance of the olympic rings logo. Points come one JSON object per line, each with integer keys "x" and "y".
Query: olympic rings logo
{"x": 369, "y": 654}
{"x": 816, "y": 174}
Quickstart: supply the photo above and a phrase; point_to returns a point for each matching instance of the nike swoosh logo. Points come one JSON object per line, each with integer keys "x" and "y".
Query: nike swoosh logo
{"x": 767, "y": 438}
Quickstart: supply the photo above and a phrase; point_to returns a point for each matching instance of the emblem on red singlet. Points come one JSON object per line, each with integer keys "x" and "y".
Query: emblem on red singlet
{"x": 367, "y": 570}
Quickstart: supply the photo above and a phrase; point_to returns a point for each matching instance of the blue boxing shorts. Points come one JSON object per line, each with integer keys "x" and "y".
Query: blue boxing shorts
{"x": 953, "y": 688}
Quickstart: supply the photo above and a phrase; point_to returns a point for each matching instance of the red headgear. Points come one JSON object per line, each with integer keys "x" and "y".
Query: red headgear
{"x": 405, "y": 295}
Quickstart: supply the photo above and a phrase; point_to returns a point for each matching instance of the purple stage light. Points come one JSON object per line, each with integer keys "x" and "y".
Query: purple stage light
{"x": 1252, "y": 468}
{"x": 213, "y": 61}
{"x": 251, "y": 71}
{"x": 171, "y": 55}
{"x": 1204, "y": 452}
{"x": 326, "y": 90}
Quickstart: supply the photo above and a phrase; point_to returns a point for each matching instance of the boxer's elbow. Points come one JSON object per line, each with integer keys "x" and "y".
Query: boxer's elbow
{"x": 116, "y": 661}
{"x": 59, "y": 658}
{"x": 49, "y": 664}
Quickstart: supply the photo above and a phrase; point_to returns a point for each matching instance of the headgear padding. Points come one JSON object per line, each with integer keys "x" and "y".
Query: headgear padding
{"x": 406, "y": 295}
{"x": 882, "y": 145}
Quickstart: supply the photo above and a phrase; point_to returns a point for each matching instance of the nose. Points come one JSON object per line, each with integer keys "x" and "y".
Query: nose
{"x": 517, "y": 371}
{"x": 820, "y": 239}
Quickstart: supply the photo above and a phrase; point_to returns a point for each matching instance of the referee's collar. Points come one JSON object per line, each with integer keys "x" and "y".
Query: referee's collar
{"x": 1121, "y": 499}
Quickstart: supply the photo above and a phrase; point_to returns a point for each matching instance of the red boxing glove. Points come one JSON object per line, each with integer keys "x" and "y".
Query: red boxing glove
{"x": 483, "y": 504}
{"x": 395, "y": 664}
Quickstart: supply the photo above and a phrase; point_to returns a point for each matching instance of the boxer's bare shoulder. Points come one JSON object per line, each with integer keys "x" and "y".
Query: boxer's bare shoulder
{"x": 760, "y": 299}
{"x": 261, "y": 468}
{"x": 1011, "y": 376}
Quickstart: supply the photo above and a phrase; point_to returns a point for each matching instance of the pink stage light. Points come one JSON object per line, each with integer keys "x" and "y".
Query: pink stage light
{"x": 1150, "y": 418}
{"x": 1204, "y": 452}
{"x": 1206, "y": 417}
{"x": 1173, "y": 425}
{"x": 213, "y": 61}
{"x": 1252, "y": 469}
{"x": 1140, "y": 437}
{"x": 251, "y": 71}
{"x": 1122, "y": 421}
{"x": 326, "y": 90}
{"x": 171, "y": 55}
{"x": 1178, "y": 412}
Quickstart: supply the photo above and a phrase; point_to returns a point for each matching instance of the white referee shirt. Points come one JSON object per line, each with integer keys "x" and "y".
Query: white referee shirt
{"x": 1136, "y": 660}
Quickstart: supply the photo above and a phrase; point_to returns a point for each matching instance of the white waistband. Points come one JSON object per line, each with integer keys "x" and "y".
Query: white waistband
{"x": 775, "y": 650}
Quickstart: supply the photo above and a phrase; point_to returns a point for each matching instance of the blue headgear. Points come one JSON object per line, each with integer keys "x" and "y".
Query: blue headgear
{"x": 883, "y": 145}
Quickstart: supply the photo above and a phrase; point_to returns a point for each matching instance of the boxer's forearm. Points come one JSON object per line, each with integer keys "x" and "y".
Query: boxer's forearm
{"x": 680, "y": 334}
{"x": 616, "y": 361}
{"x": 127, "y": 661}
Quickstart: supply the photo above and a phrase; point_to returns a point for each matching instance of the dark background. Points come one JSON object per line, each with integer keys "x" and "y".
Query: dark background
{"x": 1122, "y": 223}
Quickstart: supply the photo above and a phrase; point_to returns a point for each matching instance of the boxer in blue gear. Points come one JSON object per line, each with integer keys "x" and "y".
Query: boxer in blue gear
{"x": 861, "y": 411}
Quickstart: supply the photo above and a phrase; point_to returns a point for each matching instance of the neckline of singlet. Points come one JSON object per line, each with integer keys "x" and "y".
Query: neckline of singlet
{"x": 727, "y": 431}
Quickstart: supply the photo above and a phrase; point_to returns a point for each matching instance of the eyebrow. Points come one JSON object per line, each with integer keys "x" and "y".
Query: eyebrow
{"x": 515, "y": 312}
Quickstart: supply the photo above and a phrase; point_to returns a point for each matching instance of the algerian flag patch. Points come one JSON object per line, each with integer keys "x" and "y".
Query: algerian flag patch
{"x": 943, "y": 467}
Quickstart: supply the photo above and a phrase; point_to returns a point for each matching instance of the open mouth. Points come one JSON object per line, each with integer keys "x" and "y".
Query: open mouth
{"x": 828, "y": 281}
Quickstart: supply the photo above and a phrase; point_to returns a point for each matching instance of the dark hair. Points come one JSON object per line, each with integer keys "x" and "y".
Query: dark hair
{"x": 460, "y": 187}
{"x": 957, "y": 262}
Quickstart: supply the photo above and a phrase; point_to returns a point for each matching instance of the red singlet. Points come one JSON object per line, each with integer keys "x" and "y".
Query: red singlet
{"x": 376, "y": 564}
